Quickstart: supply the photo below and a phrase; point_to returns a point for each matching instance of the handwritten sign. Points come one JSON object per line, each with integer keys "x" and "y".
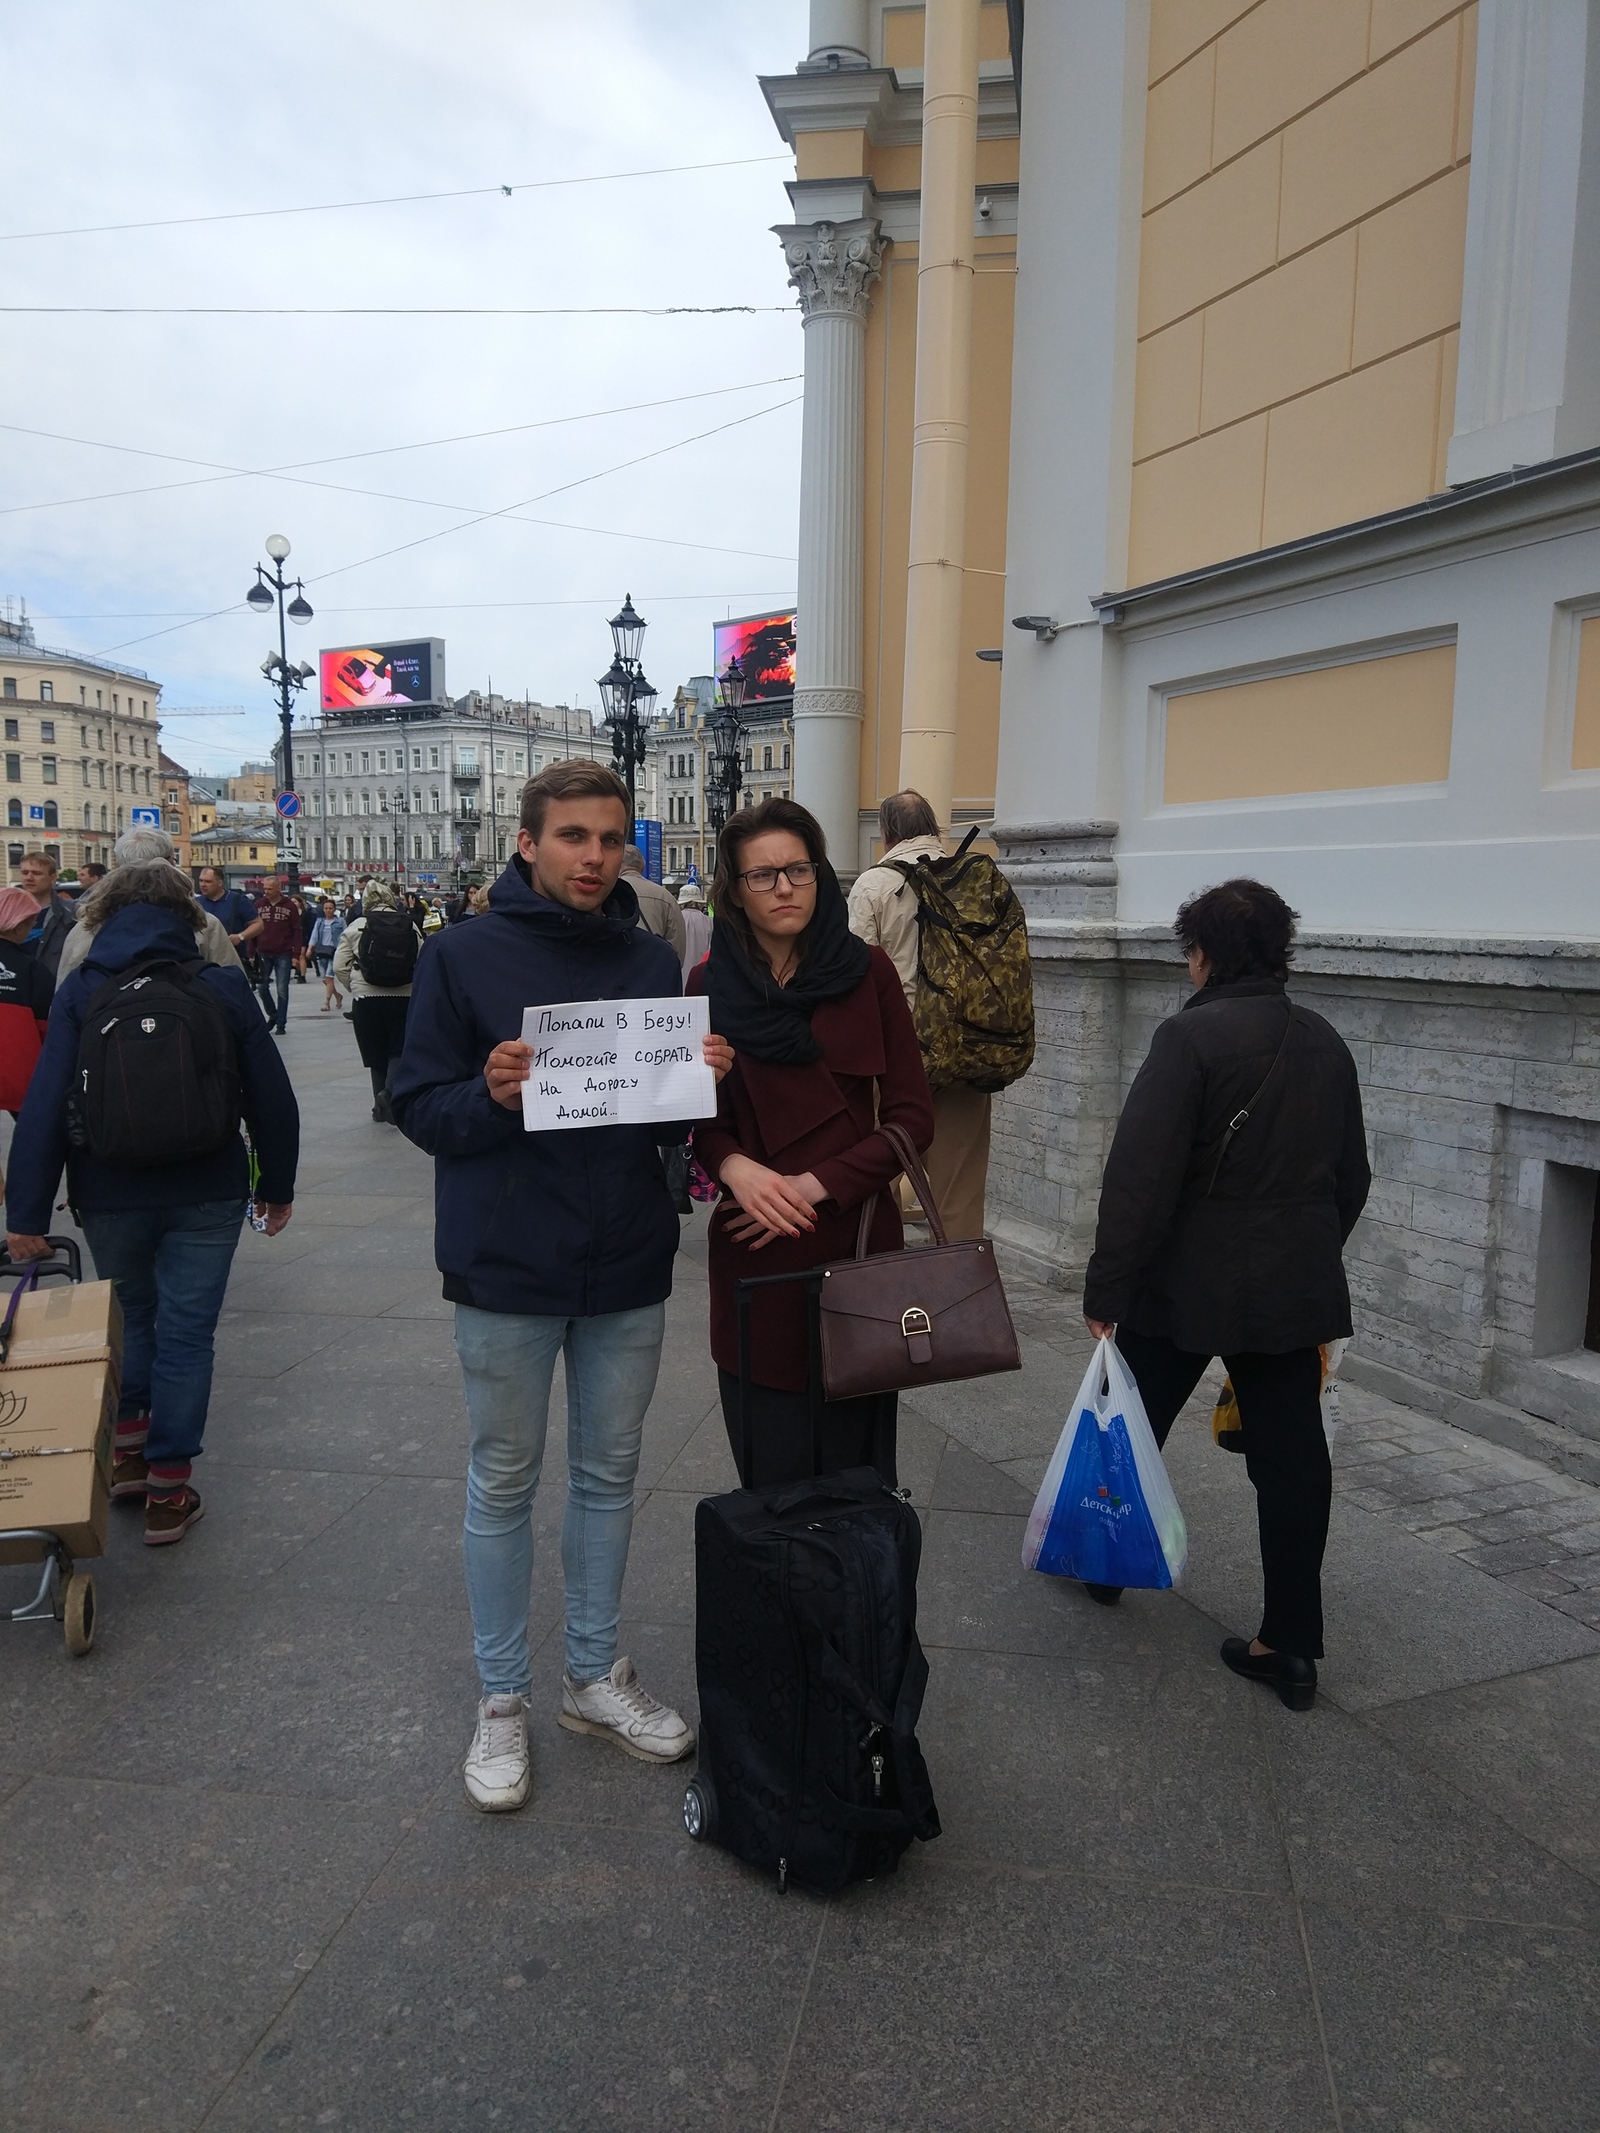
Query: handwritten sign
{"x": 617, "y": 1063}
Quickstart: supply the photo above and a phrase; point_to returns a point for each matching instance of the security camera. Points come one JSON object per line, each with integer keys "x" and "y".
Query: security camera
{"x": 985, "y": 208}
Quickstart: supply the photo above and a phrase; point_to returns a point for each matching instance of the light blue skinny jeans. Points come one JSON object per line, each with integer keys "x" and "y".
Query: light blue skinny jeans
{"x": 508, "y": 1362}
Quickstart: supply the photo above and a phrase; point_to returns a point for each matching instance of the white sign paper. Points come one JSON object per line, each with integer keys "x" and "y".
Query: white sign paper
{"x": 617, "y": 1062}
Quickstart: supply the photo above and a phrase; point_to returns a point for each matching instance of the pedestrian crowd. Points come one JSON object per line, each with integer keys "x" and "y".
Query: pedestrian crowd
{"x": 136, "y": 1043}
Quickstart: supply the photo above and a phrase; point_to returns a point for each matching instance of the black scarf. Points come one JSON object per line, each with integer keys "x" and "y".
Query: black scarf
{"x": 772, "y": 1021}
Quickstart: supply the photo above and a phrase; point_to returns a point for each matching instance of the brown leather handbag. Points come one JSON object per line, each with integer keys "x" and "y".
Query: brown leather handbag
{"x": 898, "y": 1320}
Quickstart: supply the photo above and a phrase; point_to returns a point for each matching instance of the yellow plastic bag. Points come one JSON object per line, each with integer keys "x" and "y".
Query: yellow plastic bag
{"x": 1227, "y": 1429}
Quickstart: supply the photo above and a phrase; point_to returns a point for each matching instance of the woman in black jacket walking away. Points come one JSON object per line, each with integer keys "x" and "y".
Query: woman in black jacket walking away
{"x": 1238, "y": 1170}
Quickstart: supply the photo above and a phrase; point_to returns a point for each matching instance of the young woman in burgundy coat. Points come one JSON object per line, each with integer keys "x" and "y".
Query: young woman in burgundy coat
{"x": 824, "y": 1048}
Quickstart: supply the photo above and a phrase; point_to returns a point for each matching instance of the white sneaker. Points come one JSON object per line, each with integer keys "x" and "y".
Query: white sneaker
{"x": 619, "y": 1708}
{"x": 497, "y": 1772}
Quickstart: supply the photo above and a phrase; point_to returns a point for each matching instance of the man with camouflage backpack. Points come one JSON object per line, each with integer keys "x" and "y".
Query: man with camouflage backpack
{"x": 954, "y": 930}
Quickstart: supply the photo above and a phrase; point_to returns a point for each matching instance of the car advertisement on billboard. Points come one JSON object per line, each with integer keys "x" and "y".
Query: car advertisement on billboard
{"x": 764, "y": 648}
{"x": 359, "y": 677}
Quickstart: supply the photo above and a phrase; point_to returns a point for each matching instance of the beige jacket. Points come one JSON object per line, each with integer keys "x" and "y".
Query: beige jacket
{"x": 883, "y": 909}
{"x": 213, "y": 943}
{"x": 348, "y": 974}
{"x": 658, "y": 911}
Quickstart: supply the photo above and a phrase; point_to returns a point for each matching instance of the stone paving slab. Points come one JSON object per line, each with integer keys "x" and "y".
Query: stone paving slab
{"x": 241, "y": 1888}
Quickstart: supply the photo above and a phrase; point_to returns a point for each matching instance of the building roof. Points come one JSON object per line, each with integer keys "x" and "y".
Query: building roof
{"x": 170, "y": 769}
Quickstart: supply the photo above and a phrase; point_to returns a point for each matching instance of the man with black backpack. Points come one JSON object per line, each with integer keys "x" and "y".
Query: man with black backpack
{"x": 954, "y": 930}
{"x": 152, "y": 1061}
{"x": 375, "y": 962}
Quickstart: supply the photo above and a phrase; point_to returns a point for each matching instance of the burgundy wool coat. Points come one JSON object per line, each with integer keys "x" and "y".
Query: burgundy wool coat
{"x": 822, "y": 1118}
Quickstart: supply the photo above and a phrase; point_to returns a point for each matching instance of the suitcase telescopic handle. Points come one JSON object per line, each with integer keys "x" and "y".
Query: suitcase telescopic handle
{"x": 812, "y": 1277}
{"x": 65, "y": 1259}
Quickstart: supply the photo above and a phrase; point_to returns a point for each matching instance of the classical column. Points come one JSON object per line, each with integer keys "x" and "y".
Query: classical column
{"x": 838, "y": 33}
{"x": 942, "y": 417}
{"x": 831, "y": 265}
{"x": 1528, "y": 382}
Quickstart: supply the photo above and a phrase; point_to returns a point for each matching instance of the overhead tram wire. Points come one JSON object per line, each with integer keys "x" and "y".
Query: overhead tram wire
{"x": 329, "y": 207}
{"x": 381, "y": 451}
{"x": 391, "y": 310}
{"x": 508, "y": 511}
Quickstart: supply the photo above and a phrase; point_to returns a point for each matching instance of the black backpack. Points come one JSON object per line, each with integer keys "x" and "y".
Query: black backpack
{"x": 386, "y": 953}
{"x": 158, "y": 1070}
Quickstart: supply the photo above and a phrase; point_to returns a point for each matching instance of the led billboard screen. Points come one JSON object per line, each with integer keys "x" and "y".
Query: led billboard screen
{"x": 356, "y": 677}
{"x": 764, "y": 648}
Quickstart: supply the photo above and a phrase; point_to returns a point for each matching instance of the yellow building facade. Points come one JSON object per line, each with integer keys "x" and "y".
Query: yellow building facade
{"x": 1274, "y": 395}
{"x": 81, "y": 750}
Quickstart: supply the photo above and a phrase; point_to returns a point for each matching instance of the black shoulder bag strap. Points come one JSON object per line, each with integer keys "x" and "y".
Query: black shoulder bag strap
{"x": 1241, "y": 1116}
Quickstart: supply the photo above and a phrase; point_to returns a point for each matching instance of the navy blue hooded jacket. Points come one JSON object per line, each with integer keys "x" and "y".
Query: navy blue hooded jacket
{"x": 39, "y": 1147}
{"x": 560, "y": 1225}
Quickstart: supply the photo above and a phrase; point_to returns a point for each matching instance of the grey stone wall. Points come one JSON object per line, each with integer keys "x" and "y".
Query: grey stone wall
{"x": 1480, "y": 1076}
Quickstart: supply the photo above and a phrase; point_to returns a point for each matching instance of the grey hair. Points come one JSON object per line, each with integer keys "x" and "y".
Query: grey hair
{"x": 632, "y": 859}
{"x": 141, "y": 881}
{"x": 906, "y": 814}
{"x": 136, "y": 845}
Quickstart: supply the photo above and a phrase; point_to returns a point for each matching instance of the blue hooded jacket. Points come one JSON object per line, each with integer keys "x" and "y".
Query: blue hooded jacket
{"x": 569, "y": 1225}
{"x": 40, "y": 1148}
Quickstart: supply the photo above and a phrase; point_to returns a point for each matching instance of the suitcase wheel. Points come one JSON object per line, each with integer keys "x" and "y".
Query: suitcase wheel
{"x": 700, "y": 1810}
{"x": 78, "y": 1614}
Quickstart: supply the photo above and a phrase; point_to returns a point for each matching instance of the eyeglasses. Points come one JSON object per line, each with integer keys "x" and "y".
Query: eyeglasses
{"x": 799, "y": 875}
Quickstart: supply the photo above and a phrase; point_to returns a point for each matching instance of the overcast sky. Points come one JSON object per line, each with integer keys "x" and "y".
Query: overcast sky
{"x": 187, "y": 108}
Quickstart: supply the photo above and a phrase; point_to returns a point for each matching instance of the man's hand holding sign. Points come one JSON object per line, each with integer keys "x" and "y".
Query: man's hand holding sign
{"x": 610, "y": 1062}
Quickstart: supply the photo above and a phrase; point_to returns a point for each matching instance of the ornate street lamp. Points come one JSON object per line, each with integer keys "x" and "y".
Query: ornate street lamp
{"x": 267, "y": 592}
{"x": 627, "y": 699}
{"x": 727, "y": 738}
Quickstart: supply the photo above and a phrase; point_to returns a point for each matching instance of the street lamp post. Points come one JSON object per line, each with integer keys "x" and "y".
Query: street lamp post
{"x": 269, "y": 590}
{"x": 628, "y": 698}
{"x": 727, "y": 736}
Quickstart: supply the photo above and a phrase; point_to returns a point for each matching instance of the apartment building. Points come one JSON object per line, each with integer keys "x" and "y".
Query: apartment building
{"x": 428, "y": 792}
{"x": 679, "y": 771}
{"x": 81, "y": 752}
{"x": 176, "y": 819}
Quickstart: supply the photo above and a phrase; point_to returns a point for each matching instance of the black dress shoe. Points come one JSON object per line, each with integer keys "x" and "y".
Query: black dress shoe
{"x": 1103, "y": 1595}
{"x": 1295, "y": 1679}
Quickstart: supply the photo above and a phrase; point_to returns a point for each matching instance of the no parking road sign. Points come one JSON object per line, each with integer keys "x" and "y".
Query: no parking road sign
{"x": 288, "y": 805}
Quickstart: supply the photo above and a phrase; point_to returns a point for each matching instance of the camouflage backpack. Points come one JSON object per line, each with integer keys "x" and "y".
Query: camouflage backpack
{"x": 974, "y": 1011}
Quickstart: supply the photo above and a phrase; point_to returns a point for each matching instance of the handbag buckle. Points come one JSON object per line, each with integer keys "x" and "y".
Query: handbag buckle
{"x": 917, "y": 1327}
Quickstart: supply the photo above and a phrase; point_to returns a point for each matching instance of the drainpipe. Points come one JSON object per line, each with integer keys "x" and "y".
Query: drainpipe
{"x": 945, "y": 270}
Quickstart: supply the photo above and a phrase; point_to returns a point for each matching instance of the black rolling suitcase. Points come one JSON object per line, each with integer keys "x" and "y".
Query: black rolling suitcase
{"x": 809, "y": 1669}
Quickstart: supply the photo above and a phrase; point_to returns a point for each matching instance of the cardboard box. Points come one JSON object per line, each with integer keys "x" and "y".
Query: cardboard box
{"x": 57, "y": 1424}
{"x": 66, "y": 1324}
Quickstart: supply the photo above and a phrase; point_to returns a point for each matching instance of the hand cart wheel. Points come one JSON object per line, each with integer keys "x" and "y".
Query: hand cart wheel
{"x": 78, "y": 1614}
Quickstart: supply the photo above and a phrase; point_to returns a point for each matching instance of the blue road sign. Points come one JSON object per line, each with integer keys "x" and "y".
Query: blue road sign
{"x": 145, "y": 817}
{"x": 288, "y": 805}
{"x": 647, "y": 836}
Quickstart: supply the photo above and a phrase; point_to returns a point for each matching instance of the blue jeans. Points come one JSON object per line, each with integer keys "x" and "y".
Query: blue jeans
{"x": 508, "y": 1361}
{"x": 170, "y": 1265}
{"x": 275, "y": 969}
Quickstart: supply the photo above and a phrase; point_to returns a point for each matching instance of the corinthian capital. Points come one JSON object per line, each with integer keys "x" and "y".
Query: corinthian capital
{"x": 831, "y": 264}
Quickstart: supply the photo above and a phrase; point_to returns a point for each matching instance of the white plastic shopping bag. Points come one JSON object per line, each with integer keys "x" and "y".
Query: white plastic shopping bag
{"x": 1106, "y": 1513}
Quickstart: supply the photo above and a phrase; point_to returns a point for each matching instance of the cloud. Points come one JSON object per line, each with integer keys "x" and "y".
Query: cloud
{"x": 179, "y": 108}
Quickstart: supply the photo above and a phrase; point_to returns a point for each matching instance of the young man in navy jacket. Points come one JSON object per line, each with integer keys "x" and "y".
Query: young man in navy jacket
{"x": 550, "y": 1243}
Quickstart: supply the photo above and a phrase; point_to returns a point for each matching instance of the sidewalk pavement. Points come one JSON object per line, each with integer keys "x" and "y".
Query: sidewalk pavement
{"x": 241, "y": 1887}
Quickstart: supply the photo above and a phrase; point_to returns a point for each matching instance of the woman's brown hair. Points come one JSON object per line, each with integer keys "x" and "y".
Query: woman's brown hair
{"x": 737, "y": 832}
